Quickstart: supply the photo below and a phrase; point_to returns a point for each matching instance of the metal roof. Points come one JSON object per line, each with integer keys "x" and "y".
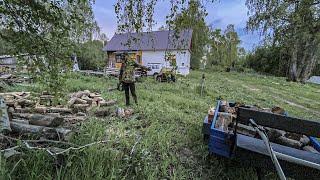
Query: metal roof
{"x": 155, "y": 40}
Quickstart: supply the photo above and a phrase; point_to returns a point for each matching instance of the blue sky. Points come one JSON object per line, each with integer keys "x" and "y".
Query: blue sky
{"x": 220, "y": 14}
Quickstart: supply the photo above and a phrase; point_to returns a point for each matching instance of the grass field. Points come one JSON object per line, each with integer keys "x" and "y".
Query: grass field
{"x": 163, "y": 140}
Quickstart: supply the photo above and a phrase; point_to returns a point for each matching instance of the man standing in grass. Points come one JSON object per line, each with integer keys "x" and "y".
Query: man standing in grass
{"x": 127, "y": 77}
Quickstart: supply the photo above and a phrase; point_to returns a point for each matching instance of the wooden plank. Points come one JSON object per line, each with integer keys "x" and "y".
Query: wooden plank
{"x": 291, "y": 124}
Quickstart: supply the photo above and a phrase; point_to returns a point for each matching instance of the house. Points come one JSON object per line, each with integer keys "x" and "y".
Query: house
{"x": 154, "y": 49}
{"x": 7, "y": 63}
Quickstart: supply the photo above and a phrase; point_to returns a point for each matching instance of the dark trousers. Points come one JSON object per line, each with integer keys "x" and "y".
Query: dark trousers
{"x": 130, "y": 87}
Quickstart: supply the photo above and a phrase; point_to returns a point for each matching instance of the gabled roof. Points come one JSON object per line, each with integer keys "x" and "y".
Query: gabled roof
{"x": 155, "y": 40}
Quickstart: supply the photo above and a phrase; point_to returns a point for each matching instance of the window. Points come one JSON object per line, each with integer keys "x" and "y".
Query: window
{"x": 118, "y": 58}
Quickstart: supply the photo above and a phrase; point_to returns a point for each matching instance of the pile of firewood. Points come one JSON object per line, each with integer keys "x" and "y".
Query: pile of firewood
{"x": 83, "y": 100}
{"x": 12, "y": 78}
{"x": 35, "y": 114}
{"x": 227, "y": 115}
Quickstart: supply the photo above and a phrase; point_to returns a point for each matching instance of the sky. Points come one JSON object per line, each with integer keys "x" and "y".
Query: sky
{"x": 220, "y": 14}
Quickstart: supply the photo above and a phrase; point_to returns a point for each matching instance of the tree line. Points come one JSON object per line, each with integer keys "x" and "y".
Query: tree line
{"x": 52, "y": 31}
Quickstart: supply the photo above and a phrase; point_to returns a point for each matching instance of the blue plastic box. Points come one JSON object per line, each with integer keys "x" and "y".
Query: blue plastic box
{"x": 220, "y": 143}
{"x": 315, "y": 143}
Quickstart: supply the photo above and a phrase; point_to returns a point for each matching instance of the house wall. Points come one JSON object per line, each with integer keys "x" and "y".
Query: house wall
{"x": 182, "y": 59}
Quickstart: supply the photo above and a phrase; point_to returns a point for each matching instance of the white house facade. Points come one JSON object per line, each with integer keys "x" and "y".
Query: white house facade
{"x": 156, "y": 50}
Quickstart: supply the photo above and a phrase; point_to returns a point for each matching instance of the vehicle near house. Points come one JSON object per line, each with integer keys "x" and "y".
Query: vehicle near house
{"x": 166, "y": 75}
{"x": 156, "y": 50}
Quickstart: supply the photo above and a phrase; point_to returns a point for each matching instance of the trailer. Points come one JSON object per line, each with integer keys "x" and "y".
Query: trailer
{"x": 256, "y": 151}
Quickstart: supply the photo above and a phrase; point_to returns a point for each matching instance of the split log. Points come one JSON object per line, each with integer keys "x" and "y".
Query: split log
{"x": 41, "y": 120}
{"x": 86, "y": 98}
{"x": 107, "y": 103}
{"x": 81, "y": 93}
{"x": 72, "y": 101}
{"x": 128, "y": 112}
{"x": 81, "y": 107}
{"x": 93, "y": 95}
{"x": 40, "y": 109}
{"x": 25, "y": 102}
{"x": 103, "y": 112}
{"x": 305, "y": 140}
{"x": 23, "y": 110}
{"x": 60, "y": 110}
{"x": 310, "y": 149}
{"x": 80, "y": 101}
{"x": 223, "y": 121}
{"x": 289, "y": 142}
{"x": 16, "y": 94}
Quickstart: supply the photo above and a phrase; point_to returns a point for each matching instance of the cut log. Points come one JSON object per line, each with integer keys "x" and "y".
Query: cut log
{"x": 103, "y": 112}
{"x": 40, "y": 109}
{"x": 41, "y": 120}
{"x": 94, "y": 95}
{"x": 21, "y": 121}
{"x": 310, "y": 149}
{"x": 23, "y": 110}
{"x": 288, "y": 142}
{"x": 273, "y": 134}
{"x": 22, "y": 128}
{"x": 81, "y": 93}
{"x": 246, "y": 130}
{"x": 49, "y": 133}
{"x": 25, "y": 102}
{"x": 60, "y": 110}
{"x": 72, "y": 101}
{"x": 305, "y": 140}
{"x": 81, "y": 107}
{"x": 86, "y": 98}
{"x": 107, "y": 103}
{"x": 4, "y": 118}
{"x": 80, "y": 101}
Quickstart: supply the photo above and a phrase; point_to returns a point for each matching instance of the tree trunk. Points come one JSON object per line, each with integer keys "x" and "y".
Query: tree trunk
{"x": 293, "y": 65}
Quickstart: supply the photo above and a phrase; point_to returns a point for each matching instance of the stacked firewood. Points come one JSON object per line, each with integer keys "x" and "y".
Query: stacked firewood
{"x": 12, "y": 78}
{"x": 227, "y": 116}
{"x": 36, "y": 115}
{"x": 82, "y": 101}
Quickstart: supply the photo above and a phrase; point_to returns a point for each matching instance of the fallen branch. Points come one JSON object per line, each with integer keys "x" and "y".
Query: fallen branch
{"x": 64, "y": 151}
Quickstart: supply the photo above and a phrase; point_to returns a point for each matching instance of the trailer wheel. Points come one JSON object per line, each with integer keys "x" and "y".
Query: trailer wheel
{"x": 159, "y": 79}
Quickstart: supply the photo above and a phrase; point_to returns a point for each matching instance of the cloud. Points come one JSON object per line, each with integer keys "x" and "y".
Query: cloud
{"x": 220, "y": 14}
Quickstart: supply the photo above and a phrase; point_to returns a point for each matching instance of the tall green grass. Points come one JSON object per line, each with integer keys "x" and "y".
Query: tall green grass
{"x": 163, "y": 140}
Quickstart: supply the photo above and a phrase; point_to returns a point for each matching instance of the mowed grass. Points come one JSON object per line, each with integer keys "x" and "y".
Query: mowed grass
{"x": 163, "y": 140}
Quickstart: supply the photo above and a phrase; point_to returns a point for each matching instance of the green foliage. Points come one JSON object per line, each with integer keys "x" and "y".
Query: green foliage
{"x": 224, "y": 48}
{"x": 268, "y": 59}
{"x": 90, "y": 56}
{"x": 5, "y": 47}
{"x": 294, "y": 25}
{"x": 193, "y": 17}
{"x": 46, "y": 31}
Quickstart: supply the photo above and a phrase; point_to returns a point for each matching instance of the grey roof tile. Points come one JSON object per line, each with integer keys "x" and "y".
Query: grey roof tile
{"x": 155, "y": 40}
